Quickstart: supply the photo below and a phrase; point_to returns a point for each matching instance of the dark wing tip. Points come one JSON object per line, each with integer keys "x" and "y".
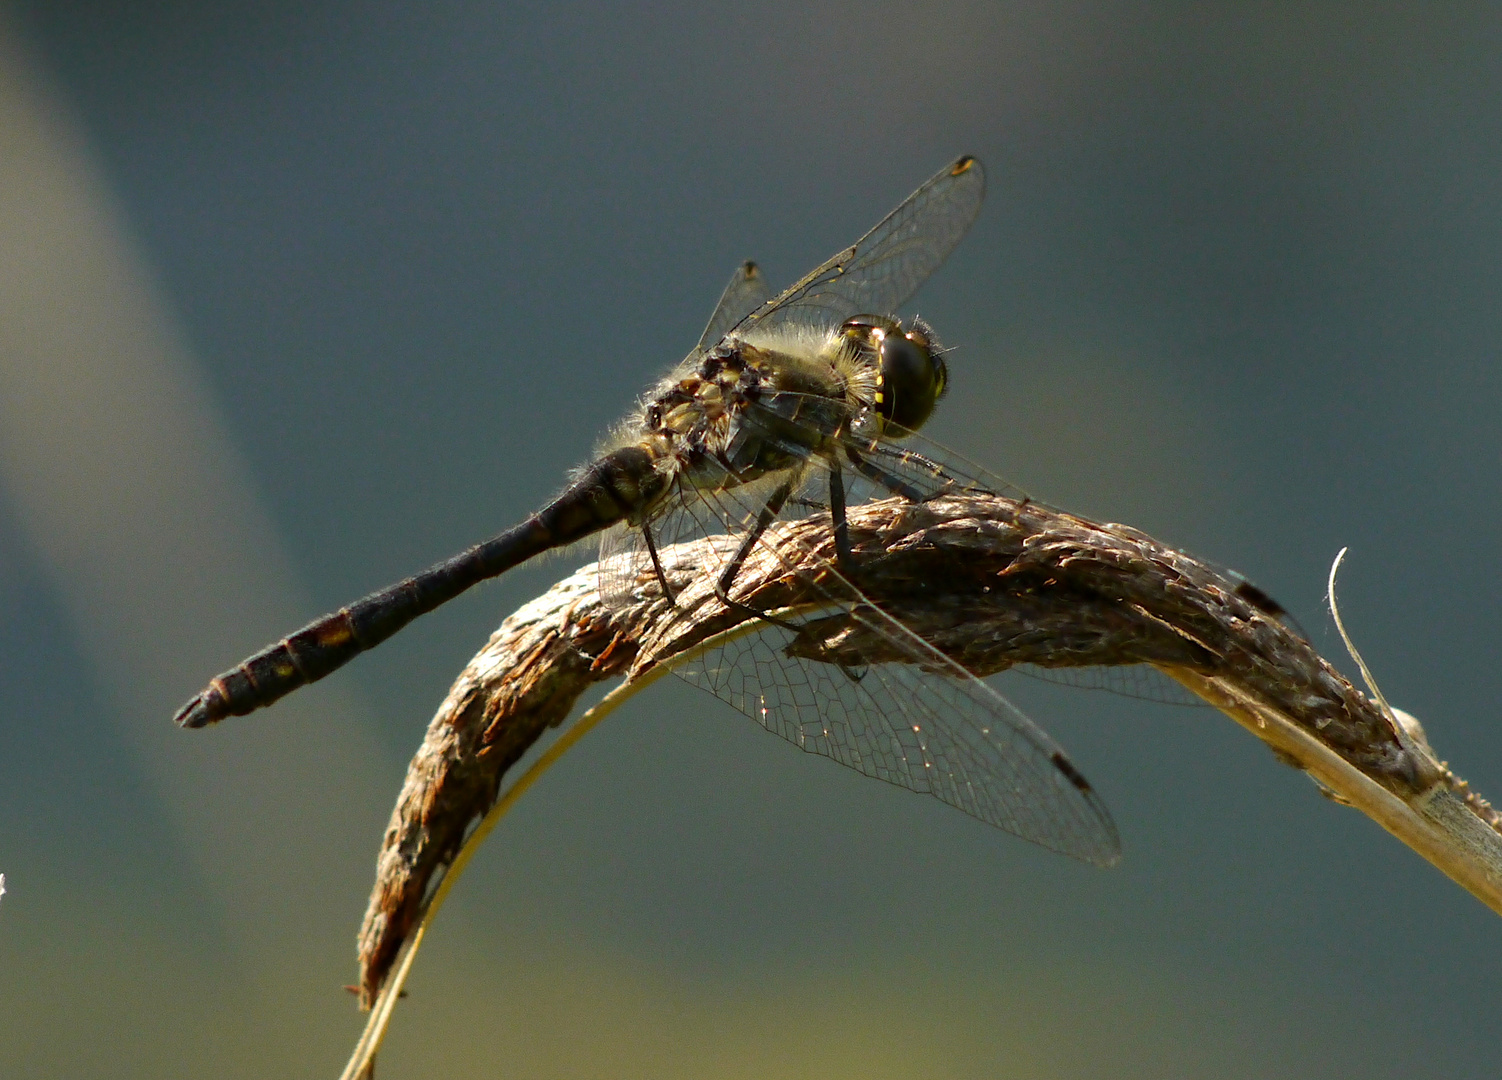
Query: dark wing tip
{"x": 750, "y": 270}
{"x": 1260, "y": 600}
{"x": 1073, "y": 775}
{"x": 963, "y": 165}
{"x": 1108, "y": 854}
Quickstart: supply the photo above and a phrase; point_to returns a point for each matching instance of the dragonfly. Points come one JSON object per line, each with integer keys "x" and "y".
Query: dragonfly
{"x": 789, "y": 406}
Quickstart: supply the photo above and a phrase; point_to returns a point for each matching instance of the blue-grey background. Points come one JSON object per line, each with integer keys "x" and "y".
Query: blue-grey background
{"x": 1236, "y": 283}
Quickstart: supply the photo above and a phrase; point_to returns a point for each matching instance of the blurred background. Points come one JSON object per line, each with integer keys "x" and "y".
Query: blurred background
{"x": 298, "y": 298}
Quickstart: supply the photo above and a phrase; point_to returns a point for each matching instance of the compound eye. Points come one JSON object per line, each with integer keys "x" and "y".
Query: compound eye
{"x": 866, "y": 331}
{"x": 911, "y": 380}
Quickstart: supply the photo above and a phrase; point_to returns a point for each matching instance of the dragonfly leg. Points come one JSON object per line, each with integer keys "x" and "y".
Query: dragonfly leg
{"x": 895, "y": 484}
{"x": 843, "y": 556}
{"x": 662, "y": 578}
{"x": 912, "y": 457}
{"x": 768, "y": 514}
{"x": 722, "y": 584}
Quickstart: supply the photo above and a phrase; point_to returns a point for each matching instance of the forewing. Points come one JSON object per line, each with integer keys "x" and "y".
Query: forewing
{"x": 918, "y": 469}
{"x": 746, "y": 291}
{"x": 882, "y": 269}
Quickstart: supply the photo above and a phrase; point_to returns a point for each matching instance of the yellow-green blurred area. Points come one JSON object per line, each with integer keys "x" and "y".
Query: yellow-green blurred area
{"x": 298, "y": 298}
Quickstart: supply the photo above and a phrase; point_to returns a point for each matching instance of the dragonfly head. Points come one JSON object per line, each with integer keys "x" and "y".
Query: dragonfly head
{"x": 910, "y": 376}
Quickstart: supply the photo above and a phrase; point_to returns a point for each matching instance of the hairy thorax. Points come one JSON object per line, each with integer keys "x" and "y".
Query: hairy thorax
{"x": 750, "y": 407}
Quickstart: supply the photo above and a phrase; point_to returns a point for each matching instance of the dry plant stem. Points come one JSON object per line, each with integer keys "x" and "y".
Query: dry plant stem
{"x": 990, "y": 581}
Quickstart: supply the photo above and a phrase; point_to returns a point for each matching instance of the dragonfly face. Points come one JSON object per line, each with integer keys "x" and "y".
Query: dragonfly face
{"x": 910, "y": 372}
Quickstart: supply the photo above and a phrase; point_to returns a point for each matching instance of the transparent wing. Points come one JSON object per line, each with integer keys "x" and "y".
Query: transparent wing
{"x": 878, "y": 273}
{"x": 922, "y": 722}
{"x": 918, "y": 469}
{"x": 908, "y": 464}
{"x": 746, "y": 291}
{"x": 1139, "y": 681}
{"x": 624, "y": 566}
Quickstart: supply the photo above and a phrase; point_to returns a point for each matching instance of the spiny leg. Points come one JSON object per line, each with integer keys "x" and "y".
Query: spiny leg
{"x": 765, "y": 518}
{"x": 958, "y": 484}
{"x": 893, "y": 483}
{"x": 767, "y": 515}
{"x": 843, "y": 556}
{"x": 912, "y": 457}
{"x": 662, "y": 578}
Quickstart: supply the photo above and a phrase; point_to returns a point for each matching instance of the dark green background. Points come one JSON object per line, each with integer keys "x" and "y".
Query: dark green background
{"x": 1236, "y": 283}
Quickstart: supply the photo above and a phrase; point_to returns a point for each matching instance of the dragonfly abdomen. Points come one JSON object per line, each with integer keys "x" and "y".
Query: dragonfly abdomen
{"x": 617, "y": 485}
